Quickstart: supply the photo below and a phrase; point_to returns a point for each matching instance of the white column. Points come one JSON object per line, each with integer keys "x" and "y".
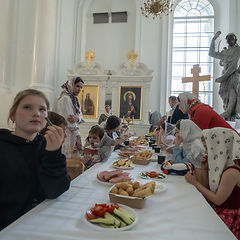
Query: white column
{"x": 115, "y": 94}
{"x": 145, "y": 101}
{"x": 5, "y": 39}
{"x": 44, "y": 46}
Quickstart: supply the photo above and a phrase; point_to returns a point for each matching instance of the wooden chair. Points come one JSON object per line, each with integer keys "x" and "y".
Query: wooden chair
{"x": 75, "y": 167}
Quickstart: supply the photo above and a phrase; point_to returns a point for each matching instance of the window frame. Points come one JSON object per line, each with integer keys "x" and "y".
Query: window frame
{"x": 199, "y": 20}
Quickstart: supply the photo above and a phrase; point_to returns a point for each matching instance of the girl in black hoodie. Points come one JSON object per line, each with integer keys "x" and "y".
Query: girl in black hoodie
{"x": 32, "y": 166}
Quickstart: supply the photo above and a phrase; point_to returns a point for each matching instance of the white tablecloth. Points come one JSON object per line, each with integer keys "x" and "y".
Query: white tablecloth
{"x": 180, "y": 212}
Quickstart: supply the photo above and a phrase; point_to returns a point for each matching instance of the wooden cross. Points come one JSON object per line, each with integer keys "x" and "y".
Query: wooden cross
{"x": 196, "y": 79}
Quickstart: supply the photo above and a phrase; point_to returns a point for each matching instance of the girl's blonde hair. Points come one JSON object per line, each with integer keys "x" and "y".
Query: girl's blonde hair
{"x": 23, "y": 94}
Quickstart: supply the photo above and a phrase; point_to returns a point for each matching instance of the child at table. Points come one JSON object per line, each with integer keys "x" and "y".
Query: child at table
{"x": 188, "y": 143}
{"x": 32, "y": 167}
{"x": 111, "y": 127}
{"x": 125, "y": 131}
{"x": 97, "y": 147}
{"x": 222, "y": 168}
{"x": 159, "y": 132}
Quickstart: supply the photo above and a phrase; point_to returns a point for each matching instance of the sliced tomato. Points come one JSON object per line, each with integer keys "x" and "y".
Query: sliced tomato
{"x": 112, "y": 207}
{"x": 96, "y": 209}
{"x": 102, "y": 212}
{"x": 115, "y": 205}
{"x": 153, "y": 174}
{"x": 101, "y": 204}
{"x": 99, "y": 210}
{"x": 90, "y": 215}
{"x": 148, "y": 174}
{"x": 165, "y": 171}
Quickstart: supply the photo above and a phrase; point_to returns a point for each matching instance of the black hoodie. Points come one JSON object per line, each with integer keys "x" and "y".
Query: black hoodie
{"x": 28, "y": 173}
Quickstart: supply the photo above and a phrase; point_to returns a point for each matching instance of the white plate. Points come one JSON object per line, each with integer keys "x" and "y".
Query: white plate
{"x": 123, "y": 168}
{"x": 99, "y": 228}
{"x": 160, "y": 187}
{"x": 108, "y": 183}
{"x": 149, "y": 178}
{"x": 104, "y": 183}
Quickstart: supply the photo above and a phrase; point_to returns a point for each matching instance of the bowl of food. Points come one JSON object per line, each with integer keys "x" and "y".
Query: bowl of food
{"x": 142, "y": 158}
{"x": 132, "y": 194}
{"x": 110, "y": 217}
{"x": 123, "y": 164}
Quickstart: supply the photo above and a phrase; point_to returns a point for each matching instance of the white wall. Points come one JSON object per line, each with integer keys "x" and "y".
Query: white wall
{"x": 24, "y": 44}
{"x": 111, "y": 41}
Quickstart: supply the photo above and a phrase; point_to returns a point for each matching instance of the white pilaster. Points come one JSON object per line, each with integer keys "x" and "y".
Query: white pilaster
{"x": 6, "y": 27}
{"x": 44, "y": 46}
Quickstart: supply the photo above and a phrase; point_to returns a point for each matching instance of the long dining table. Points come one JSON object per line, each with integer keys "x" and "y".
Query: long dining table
{"x": 179, "y": 212}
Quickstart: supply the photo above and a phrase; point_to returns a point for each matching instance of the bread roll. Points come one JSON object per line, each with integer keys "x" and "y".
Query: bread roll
{"x": 143, "y": 193}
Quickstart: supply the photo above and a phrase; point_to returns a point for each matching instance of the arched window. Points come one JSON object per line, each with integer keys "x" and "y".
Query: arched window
{"x": 193, "y": 27}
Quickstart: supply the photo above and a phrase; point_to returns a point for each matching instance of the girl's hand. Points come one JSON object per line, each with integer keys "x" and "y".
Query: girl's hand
{"x": 191, "y": 178}
{"x": 204, "y": 162}
{"x": 54, "y": 137}
{"x": 79, "y": 143}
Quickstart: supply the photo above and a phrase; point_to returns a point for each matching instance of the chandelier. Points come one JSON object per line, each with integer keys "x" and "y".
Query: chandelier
{"x": 155, "y": 8}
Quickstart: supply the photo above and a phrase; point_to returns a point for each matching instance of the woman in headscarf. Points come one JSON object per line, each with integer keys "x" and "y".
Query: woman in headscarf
{"x": 222, "y": 166}
{"x": 70, "y": 109}
{"x": 188, "y": 144}
{"x": 104, "y": 116}
{"x": 202, "y": 114}
{"x": 153, "y": 119}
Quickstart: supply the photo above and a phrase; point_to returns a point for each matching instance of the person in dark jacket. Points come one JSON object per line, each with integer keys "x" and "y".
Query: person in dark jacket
{"x": 177, "y": 114}
{"x": 32, "y": 167}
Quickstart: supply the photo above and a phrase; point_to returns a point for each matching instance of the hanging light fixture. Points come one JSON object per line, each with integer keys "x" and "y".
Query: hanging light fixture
{"x": 156, "y": 8}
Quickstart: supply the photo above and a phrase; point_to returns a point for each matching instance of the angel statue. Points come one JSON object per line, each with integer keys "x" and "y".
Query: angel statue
{"x": 229, "y": 81}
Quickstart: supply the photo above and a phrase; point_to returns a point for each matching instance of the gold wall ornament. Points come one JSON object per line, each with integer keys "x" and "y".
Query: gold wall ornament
{"x": 89, "y": 55}
{"x": 132, "y": 56}
{"x": 156, "y": 8}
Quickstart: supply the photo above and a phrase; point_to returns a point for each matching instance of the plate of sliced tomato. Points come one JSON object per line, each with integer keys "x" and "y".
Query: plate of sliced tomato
{"x": 103, "y": 211}
{"x": 153, "y": 175}
{"x": 99, "y": 210}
